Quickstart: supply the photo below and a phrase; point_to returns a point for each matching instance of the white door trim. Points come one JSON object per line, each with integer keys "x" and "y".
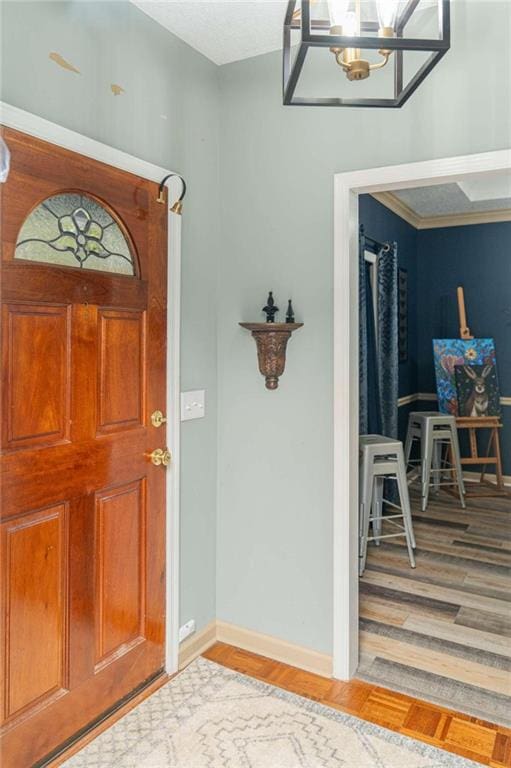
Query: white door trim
{"x": 347, "y": 187}
{"x": 34, "y": 125}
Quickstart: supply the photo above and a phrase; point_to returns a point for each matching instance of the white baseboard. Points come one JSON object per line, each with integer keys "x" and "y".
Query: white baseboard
{"x": 473, "y": 476}
{"x": 197, "y": 644}
{"x": 274, "y": 648}
{"x": 256, "y": 642}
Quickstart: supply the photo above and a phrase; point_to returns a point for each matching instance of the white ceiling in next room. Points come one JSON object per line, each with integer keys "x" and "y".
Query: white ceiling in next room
{"x": 481, "y": 199}
{"x": 489, "y": 193}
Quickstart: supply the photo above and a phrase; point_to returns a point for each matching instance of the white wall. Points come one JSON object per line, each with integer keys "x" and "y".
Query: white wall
{"x": 257, "y": 492}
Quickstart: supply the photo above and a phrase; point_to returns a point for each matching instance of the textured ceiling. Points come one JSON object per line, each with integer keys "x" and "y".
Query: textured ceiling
{"x": 223, "y": 31}
{"x": 230, "y": 30}
{"x": 448, "y": 199}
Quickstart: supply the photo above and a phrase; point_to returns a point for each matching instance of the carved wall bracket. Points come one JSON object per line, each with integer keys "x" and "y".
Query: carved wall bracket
{"x": 271, "y": 340}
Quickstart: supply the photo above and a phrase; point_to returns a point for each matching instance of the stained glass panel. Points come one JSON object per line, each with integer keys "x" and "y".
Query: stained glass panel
{"x": 73, "y": 230}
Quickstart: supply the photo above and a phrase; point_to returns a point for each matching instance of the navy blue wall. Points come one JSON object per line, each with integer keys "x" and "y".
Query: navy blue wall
{"x": 438, "y": 260}
{"x": 478, "y": 257}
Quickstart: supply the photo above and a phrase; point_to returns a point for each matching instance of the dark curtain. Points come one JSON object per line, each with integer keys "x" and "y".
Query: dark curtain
{"x": 363, "y": 297}
{"x": 378, "y": 359}
{"x": 388, "y": 342}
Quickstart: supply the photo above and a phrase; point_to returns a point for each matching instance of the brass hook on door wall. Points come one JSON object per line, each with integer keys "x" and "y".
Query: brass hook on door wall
{"x": 178, "y": 205}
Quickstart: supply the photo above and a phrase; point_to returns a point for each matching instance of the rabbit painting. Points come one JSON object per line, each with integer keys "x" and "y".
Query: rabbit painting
{"x": 477, "y": 390}
{"x": 478, "y": 401}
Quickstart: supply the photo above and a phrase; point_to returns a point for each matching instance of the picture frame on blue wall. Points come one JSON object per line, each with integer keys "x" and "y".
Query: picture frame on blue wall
{"x": 402, "y": 287}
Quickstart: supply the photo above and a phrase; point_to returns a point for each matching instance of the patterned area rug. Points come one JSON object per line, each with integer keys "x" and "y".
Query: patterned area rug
{"x": 211, "y": 717}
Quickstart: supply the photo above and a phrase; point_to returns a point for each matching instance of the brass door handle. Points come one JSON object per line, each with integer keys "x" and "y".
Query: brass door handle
{"x": 160, "y": 456}
{"x": 157, "y": 419}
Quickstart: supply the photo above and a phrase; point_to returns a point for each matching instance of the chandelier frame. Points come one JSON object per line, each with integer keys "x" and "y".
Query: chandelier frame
{"x": 298, "y": 17}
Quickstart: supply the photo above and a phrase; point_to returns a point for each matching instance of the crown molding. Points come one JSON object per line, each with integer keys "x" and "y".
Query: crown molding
{"x": 397, "y": 206}
{"x": 393, "y": 203}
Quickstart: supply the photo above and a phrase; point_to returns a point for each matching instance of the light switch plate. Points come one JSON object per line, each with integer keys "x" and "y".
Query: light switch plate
{"x": 193, "y": 404}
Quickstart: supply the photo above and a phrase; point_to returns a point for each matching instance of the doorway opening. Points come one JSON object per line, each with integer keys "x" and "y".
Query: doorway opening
{"x": 421, "y": 629}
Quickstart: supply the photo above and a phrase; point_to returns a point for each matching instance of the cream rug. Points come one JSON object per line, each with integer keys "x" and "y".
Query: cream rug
{"x": 211, "y": 717}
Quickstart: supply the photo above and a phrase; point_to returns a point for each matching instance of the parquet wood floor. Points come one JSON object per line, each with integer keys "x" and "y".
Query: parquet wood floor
{"x": 443, "y": 630}
{"x": 453, "y": 731}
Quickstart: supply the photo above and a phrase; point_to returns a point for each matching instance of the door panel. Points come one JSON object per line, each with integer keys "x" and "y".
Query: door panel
{"x": 120, "y": 558}
{"x": 73, "y": 286}
{"x": 121, "y": 386}
{"x": 83, "y": 509}
{"x": 35, "y": 614}
{"x": 38, "y": 388}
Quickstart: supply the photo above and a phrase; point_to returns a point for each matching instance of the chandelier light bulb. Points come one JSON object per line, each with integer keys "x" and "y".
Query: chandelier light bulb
{"x": 350, "y": 27}
{"x": 387, "y": 13}
{"x": 337, "y": 10}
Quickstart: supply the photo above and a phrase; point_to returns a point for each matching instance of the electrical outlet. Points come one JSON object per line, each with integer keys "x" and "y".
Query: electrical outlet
{"x": 186, "y": 630}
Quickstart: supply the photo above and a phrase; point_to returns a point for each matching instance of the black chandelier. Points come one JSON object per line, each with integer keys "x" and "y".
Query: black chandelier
{"x": 361, "y": 53}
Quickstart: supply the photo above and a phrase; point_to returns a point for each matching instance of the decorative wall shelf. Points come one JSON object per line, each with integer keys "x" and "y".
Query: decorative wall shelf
{"x": 271, "y": 340}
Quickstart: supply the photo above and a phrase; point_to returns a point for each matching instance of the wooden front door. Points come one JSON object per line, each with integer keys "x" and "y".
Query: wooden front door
{"x": 83, "y": 339}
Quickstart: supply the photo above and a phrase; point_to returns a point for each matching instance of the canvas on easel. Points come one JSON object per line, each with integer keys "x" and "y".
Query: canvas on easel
{"x": 467, "y": 388}
{"x": 449, "y": 353}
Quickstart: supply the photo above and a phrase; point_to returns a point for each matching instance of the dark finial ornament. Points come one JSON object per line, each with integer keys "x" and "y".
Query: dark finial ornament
{"x": 271, "y": 339}
{"x": 270, "y": 309}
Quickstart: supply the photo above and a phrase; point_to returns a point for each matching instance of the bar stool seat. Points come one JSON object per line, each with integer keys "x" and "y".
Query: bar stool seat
{"x": 435, "y": 432}
{"x": 382, "y": 458}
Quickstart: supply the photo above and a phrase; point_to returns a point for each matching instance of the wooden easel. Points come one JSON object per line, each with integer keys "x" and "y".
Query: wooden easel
{"x": 472, "y": 423}
{"x": 464, "y": 329}
{"x": 483, "y": 487}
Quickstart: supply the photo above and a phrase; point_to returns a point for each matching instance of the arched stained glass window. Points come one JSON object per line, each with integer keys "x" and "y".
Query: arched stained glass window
{"x": 74, "y": 230}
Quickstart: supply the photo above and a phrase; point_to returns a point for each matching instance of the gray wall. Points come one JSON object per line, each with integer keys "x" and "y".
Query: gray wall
{"x": 273, "y": 450}
{"x": 113, "y": 42}
{"x": 274, "y": 545}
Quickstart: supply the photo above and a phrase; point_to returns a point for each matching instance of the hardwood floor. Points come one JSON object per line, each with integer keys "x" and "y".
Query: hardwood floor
{"x": 450, "y": 619}
{"x": 461, "y": 734}
{"x": 443, "y": 630}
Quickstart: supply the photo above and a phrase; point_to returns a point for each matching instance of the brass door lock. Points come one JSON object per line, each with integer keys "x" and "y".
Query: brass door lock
{"x": 157, "y": 419}
{"x": 160, "y": 456}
